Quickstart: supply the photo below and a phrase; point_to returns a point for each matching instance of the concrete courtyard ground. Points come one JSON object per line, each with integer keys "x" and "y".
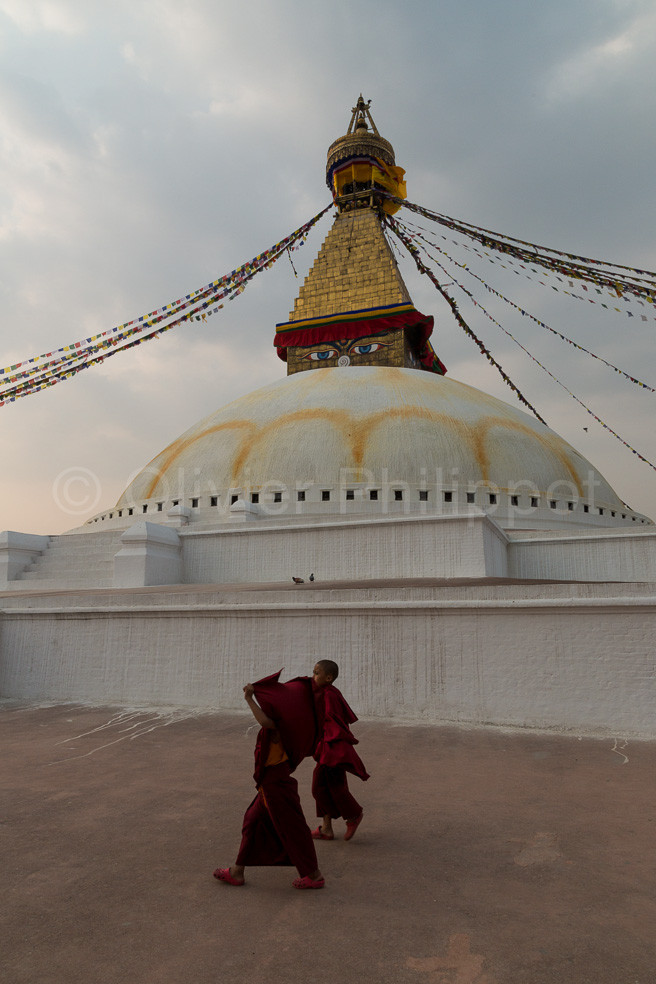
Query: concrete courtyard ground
{"x": 485, "y": 857}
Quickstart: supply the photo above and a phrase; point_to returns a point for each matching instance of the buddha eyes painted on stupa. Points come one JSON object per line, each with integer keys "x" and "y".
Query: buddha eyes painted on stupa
{"x": 347, "y": 346}
{"x": 321, "y": 355}
{"x": 367, "y": 349}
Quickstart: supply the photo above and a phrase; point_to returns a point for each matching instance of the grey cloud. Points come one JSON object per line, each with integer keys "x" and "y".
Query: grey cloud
{"x": 208, "y": 144}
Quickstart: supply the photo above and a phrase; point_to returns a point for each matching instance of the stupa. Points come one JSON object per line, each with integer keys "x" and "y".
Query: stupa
{"x": 367, "y": 422}
{"x": 462, "y": 559}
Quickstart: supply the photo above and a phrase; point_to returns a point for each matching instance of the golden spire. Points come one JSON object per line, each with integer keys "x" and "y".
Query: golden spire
{"x": 354, "y": 308}
{"x": 361, "y": 161}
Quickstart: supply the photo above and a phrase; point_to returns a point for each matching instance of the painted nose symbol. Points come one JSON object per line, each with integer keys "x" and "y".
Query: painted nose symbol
{"x": 343, "y": 361}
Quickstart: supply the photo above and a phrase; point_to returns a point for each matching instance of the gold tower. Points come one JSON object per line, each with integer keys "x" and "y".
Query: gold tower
{"x": 354, "y": 308}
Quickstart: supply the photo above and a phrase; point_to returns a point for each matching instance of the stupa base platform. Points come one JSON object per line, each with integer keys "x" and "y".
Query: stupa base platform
{"x": 358, "y": 548}
{"x": 566, "y": 656}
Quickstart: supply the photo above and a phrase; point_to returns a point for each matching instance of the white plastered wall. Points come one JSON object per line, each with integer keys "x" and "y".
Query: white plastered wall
{"x": 350, "y": 549}
{"x": 595, "y": 555}
{"x": 585, "y": 664}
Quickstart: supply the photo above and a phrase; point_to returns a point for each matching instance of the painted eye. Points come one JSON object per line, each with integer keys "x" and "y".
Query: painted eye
{"x": 366, "y": 349}
{"x": 322, "y": 356}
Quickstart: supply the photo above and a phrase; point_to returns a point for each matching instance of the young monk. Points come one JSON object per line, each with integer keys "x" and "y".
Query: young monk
{"x": 335, "y": 756}
{"x": 274, "y": 830}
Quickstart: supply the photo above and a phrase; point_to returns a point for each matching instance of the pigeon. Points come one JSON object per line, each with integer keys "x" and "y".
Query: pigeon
{"x": 312, "y": 577}
{"x": 298, "y": 580}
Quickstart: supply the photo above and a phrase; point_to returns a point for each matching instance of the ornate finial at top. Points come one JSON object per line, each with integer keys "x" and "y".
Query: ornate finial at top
{"x": 360, "y": 167}
{"x": 360, "y": 116}
{"x": 362, "y": 141}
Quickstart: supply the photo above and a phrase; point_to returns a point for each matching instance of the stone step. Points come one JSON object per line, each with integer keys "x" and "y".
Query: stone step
{"x": 76, "y": 550}
{"x": 89, "y": 564}
{"x": 91, "y": 574}
{"x": 75, "y": 561}
{"x": 67, "y": 540}
{"x": 59, "y": 584}
{"x": 48, "y": 559}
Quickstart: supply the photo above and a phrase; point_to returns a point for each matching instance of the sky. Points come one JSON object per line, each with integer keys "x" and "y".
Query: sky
{"x": 149, "y": 147}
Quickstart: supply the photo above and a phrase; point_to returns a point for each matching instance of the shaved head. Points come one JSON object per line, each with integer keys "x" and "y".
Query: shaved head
{"x": 329, "y": 667}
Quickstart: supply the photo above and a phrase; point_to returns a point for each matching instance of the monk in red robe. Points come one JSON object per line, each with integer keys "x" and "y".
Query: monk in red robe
{"x": 334, "y": 755}
{"x": 274, "y": 830}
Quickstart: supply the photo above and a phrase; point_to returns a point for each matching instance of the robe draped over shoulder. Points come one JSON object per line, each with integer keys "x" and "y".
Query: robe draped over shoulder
{"x": 291, "y": 705}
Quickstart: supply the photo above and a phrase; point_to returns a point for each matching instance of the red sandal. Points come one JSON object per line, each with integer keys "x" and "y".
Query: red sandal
{"x": 223, "y": 874}
{"x": 319, "y": 835}
{"x": 352, "y": 826}
{"x": 307, "y": 882}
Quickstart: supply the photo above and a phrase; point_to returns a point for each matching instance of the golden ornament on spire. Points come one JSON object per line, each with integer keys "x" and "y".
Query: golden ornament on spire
{"x": 361, "y": 166}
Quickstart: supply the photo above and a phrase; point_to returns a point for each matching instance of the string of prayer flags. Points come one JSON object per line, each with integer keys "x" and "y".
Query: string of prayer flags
{"x": 41, "y": 371}
{"x": 524, "y": 313}
{"x": 524, "y": 271}
{"x": 619, "y": 278}
{"x": 414, "y": 252}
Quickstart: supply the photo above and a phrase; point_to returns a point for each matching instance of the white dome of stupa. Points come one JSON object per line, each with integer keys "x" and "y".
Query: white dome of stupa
{"x": 374, "y": 440}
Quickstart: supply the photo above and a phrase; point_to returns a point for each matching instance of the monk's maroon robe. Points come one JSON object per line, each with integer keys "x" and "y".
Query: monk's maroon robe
{"x": 274, "y": 830}
{"x": 335, "y": 756}
{"x": 291, "y": 705}
{"x": 336, "y": 740}
{"x": 332, "y": 795}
